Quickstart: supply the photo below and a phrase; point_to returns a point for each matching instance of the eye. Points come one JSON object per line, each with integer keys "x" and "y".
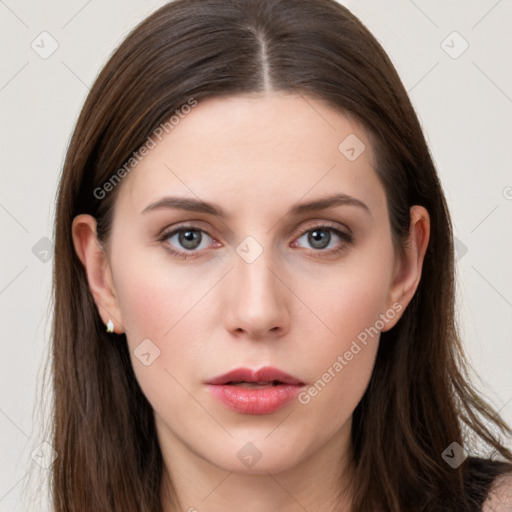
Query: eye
{"x": 324, "y": 239}
{"x": 188, "y": 240}
{"x": 185, "y": 241}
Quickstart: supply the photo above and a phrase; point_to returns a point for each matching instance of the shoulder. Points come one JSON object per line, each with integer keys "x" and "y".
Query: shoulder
{"x": 499, "y": 498}
{"x": 488, "y": 484}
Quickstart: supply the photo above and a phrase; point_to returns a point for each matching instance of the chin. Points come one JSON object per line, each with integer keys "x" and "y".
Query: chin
{"x": 259, "y": 457}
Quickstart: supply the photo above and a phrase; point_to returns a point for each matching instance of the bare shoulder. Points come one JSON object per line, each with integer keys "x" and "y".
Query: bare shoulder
{"x": 500, "y": 495}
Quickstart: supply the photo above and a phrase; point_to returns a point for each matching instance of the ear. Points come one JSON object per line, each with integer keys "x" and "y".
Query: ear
{"x": 407, "y": 272}
{"x": 99, "y": 274}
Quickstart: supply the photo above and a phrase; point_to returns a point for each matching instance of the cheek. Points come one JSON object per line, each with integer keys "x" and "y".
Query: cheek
{"x": 155, "y": 297}
{"x": 349, "y": 345}
{"x": 340, "y": 354}
{"x": 163, "y": 329}
{"x": 340, "y": 365}
{"x": 159, "y": 313}
{"x": 352, "y": 298}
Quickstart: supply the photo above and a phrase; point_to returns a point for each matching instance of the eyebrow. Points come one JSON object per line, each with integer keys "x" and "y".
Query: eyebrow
{"x": 196, "y": 205}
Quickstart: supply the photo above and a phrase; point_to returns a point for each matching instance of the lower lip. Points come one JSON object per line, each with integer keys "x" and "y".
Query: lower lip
{"x": 255, "y": 400}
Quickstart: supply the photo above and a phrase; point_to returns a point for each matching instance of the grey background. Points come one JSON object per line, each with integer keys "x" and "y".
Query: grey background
{"x": 464, "y": 103}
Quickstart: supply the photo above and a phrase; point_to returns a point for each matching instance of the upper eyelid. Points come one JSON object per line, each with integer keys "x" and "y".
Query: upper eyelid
{"x": 171, "y": 231}
{"x": 313, "y": 225}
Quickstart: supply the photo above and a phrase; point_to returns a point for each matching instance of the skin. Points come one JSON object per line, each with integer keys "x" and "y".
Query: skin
{"x": 294, "y": 307}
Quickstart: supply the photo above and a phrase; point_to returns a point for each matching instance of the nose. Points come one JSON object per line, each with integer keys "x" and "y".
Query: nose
{"x": 258, "y": 301}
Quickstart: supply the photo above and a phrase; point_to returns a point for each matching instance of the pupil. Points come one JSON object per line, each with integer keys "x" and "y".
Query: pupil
{"x": 190, "y": 239}
{"x": 319, "y": 238}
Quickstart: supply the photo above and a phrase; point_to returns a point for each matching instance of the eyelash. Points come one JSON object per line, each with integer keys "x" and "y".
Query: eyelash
{"x": 346, "y": 237}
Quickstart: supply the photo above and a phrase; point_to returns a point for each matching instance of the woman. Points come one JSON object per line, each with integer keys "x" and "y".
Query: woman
{"x": 254, "y": 280}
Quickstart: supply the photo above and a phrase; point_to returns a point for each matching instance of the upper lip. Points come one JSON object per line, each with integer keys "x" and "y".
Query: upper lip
{"x": 265, "y": 374}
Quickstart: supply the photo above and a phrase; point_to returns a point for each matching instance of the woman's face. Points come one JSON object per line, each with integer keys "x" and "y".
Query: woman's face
{"x": 272, "y": 282}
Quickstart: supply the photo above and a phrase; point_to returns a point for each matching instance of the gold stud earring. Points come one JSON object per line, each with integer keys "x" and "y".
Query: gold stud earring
{"x": 110, "y": 325}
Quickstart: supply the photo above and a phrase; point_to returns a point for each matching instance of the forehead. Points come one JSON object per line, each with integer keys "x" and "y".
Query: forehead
{"x": 255, "y": 149}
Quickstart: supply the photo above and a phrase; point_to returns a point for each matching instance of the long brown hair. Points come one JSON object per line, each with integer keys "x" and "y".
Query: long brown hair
{"x": 419, "y": 399}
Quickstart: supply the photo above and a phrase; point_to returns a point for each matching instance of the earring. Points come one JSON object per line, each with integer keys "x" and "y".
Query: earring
{"x": 110, "y": 325}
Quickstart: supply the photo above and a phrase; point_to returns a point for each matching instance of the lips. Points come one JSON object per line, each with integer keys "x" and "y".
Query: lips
{"x": 263, "y": 391}
{"x": 266, "y": 375}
